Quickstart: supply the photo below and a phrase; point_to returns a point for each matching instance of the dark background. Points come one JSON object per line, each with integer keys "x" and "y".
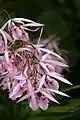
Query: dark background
{"x": 61, "y": 17}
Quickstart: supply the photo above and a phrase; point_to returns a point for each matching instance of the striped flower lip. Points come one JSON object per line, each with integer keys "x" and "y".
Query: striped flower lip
{"x": 29, "y": 71}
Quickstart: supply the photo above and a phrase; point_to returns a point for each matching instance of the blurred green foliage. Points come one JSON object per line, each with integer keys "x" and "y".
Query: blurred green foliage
{"x": 61, "y": 17}
{"x": 68, "y": 109}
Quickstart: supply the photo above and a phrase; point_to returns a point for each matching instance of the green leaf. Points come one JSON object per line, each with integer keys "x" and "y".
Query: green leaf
{"x": 59, "y": 112}
{"x": 71, "y": 88}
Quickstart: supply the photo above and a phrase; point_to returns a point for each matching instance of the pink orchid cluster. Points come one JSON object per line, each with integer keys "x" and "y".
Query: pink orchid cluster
{"x": 28, "y": 71}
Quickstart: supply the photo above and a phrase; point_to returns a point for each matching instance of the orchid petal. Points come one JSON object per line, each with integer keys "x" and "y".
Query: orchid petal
{"x": 44, "y": 66}
{"x": 33, "y": 25}
{"x": 19, "y": 77}
{"x": 7, "y": 56}
{"x": 24, "y": 97}
{"x": 50, "y": 52}
{"x": 43, "y": 102}
{"x": 55, "y": 63}
{"x": 58, "y": 92}
{"x": 49, "y": 96}
{"x": 42, "y": 81}
{"x": 5, "y": 39}
{"x": 59, "y": 78}
{"x": 18, "y": 21}
{"x": 23, "y": 19}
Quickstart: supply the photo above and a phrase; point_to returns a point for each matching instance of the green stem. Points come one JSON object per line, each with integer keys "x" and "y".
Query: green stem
{"x": 6, "y": 13}
{"x": 71, "y": 88}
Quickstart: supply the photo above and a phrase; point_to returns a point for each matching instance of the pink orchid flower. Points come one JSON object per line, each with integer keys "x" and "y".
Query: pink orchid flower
{"x": 29, "y": 71}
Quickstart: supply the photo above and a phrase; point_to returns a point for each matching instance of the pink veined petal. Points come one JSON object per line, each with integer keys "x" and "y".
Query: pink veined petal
{"x": 9, "y": 84}
{"x": 16, "y": 33}
{"x": 59, "y": 69}
{"x": 31, "y": 104}
{"x": 43, "y": 107}
{"x": 23, "y": 82}
{"x": 53, "y": 83}
{"x": 50, "y": 52}
{"x": 25, "y": 71}
{"x": 54, "y": 73}
{"x": 7, "y": 56}
{"x": 58, "y": 92}
{"x": 25, "y": 35}
{"x": 43, "y": 102}
{"x": 10, "y": 25}
{"x": 2, "y": 68}
{"x": 15, "y": 90}
{"x": 55, "y": 63}
{"x": 7, "y": 74}
{"x": 59, "y": 78}
{"x": 31, "y": 91}
{"x": 20, "y": 92}
{"x": 49, "y": 96}
{"x": 19, "y": 77}
{"x": 44, "y": 66}
{"x": 44, "y": 57}
{"x": 42, "y": 80}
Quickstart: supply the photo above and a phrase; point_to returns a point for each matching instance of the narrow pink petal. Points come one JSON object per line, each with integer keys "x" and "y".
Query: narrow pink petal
{"x": 31, "y": 91}
{"x": 5, "y": 39}
{"x": 44, "y": 66}
{"x": 23, "y": 49}
{"x": 23, "y": 19}
{"x": 50, "y": 52}
{"x": 19, "y": 21}
{"x": 36, "y": 29}
{"x": 55, "y": 63}
{"x": 59, "y": 78}
{"x": 25, "y": 71}
{"x": 7, "y": 56}
{"x": 42, "y": 80}
{"x": 49, "y": 96}
{"x": 44, "y": 57}
{"x": 14, "y": 91}
{"x": 19, "y": 77}
{"x": 32, "y": 106}
{"x": 16, "y": 32}
{"x": 24, "y": 97}
{"x": 33, "y": 25}
{"x": 58, "y": 92}
{"x": 27, "y": 20}
{"x": 25, "y": 36}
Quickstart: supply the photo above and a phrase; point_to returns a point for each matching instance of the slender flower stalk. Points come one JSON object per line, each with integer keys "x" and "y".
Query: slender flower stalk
{"x": 29, "y": 71}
